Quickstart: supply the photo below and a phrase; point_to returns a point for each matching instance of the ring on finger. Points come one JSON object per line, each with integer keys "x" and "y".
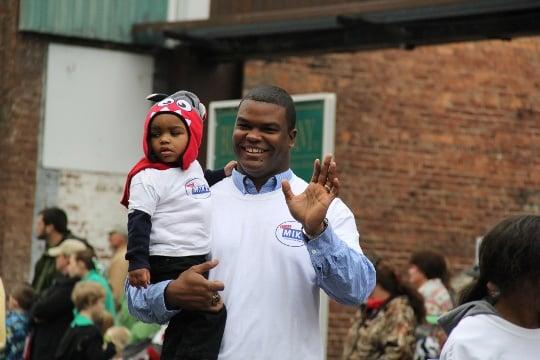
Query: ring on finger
{"x": 215, "y": 299}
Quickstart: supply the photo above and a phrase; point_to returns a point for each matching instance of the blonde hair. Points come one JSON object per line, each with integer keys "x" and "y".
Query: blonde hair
{"x": 86, "y": 294}
{"x": 103, "y": 320}
{"x": 119, "y": 336}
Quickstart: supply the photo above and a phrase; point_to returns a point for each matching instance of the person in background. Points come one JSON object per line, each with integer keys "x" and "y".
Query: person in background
{"x": 118, "y": 267}
{"x": 81, "y": 264}
{"x": 52, "y": 312}
{"x": 383, "y": 327}
{"x": 52, "y": 227}
{"x": 104, "y": 321}
{"x": 119, "y": 336}
{"x": 84, "y": 340}
{"x": 139, "y": 331}
{"x": 2, "y": 317}
{"x": 499, "y": 315}
{"x": 19, "y": 304}
{"x": 428, "y": 273}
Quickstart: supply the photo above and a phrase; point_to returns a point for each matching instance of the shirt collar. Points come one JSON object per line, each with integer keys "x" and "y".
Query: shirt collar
{"x": 81, "y": 320}
{"x": 246, "y": 185}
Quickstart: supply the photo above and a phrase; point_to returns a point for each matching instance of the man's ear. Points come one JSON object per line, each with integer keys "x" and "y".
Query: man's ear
{"x": 49, "y": 229}
{"x": 292, "y": 137}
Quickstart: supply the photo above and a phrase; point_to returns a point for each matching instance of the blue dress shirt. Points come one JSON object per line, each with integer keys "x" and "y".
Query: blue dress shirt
{"x": 344, "y": 274}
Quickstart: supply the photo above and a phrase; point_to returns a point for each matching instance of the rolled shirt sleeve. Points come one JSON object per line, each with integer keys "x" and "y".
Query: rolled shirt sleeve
{"x": 342, "y": 270}
{"x": 148, "y": 304}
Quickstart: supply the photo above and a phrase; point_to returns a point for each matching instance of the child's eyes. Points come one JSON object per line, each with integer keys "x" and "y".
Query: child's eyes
{"x": 154, "y": 134}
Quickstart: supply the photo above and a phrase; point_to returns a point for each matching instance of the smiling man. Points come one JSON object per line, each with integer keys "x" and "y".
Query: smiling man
{"x": 279, "y": 240}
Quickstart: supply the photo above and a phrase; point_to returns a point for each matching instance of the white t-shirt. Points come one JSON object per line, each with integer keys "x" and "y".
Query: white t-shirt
{"x": 271, "y": 294}
{"x": 179, "y": 204}
{"x": 484, "y": 337}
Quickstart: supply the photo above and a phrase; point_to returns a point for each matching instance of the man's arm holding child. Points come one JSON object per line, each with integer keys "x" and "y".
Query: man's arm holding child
{"x": 158, "y": 303}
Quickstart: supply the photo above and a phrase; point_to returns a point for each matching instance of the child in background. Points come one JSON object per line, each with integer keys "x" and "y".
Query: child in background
{"x": 119, "y": 336}
{"x": 19, "y": 304}
{"x": 168, "y": 201}
{"x": 84, "y": 339}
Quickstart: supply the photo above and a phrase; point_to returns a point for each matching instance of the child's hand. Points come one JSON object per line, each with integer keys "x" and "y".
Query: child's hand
{"x": 139, "y": 278}
{"x": 229, "y": 167}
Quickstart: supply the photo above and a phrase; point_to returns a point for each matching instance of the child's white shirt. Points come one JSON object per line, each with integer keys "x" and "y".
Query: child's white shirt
{"x": 179, "y": 204}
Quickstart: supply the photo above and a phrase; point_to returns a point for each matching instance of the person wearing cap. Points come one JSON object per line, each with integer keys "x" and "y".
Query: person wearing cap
{"x": 52, "y": 313}
{"x": 168, "y": 200}
{"x": 118, "y": 266}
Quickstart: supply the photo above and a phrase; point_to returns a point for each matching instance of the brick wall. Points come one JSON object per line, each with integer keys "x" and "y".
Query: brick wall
{"x": 433, "y": 145}
{"x": 21, "y": 84}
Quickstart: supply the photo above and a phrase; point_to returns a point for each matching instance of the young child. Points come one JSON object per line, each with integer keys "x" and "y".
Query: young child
{"x": 19, "y": 304}
{"x": 168, "y": 202}
{"x": 84, "y": 339}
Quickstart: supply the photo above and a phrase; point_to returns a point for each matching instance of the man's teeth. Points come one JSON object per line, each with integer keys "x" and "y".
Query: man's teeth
{"x": 254, "y": 150}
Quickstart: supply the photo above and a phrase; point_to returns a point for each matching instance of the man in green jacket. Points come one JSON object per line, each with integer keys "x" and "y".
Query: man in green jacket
{"x": 51, "y": 226}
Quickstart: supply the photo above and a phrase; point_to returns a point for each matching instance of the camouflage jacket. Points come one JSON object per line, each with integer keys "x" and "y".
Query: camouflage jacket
{"x": 387, "y": 334}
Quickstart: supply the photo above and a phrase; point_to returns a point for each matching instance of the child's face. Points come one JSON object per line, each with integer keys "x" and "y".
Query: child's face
{"x": 75, "y": 268}
{"x": 168, "y": 137}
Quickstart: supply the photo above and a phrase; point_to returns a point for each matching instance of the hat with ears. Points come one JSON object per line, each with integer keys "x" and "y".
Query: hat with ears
{"x": 190, "y": 110}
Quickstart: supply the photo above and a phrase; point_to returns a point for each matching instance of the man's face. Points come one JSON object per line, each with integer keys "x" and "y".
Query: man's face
{"x": 41, "y": 228}
{"x": 116, "y": 240}
{"x": 416, "y": 276}
{"x": 74, "y": 267}
{"x": 262, "y": 140}
{"x": 62, "y": 262}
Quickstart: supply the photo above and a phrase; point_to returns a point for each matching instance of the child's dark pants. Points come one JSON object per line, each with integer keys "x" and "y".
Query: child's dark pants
{"x": 190, "y": 335}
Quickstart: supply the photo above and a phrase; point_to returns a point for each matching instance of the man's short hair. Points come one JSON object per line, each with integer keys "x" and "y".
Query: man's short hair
{"x": 57, "y": 217}
{"x": 86, "y": 294}
{"x": 274, "y": 95}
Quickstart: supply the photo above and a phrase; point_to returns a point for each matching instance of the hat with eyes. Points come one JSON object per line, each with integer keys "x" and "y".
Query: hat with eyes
{"x": 189, "y": 109}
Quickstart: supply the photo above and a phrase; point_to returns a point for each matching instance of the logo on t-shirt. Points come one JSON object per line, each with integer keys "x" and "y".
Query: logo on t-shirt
{"x": 290, "y": 233}
{"x": 197, "y": 188}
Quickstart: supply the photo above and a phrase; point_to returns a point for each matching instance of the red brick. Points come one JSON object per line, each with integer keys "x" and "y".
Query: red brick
{"x": 433, "y": 145}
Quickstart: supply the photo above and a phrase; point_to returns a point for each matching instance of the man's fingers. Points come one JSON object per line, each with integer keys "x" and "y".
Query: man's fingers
{"x": 335, "y": 187}
{"x": 286, "y": 188}
{"x": 216, "y": 285}
{"x": 332, "y": 171}
{"x": 316, "y": 170}
{"x": 205, "y": 266}
{"x": 323, "y": 176}
{"x": 216, "y": 307}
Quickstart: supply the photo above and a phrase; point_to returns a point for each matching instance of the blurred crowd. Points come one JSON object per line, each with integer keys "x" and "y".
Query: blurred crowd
{"x": 492, "y": 313}
{"x": 72, "y": 309}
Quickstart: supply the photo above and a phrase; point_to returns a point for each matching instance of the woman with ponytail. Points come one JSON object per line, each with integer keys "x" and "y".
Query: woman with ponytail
{"x": 383, "y": 327}
{"x": 499, "y": 315}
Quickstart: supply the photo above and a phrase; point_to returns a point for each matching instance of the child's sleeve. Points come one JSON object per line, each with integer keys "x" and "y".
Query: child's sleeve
{"x": 139, "y": 227}
{"x": 214, "y": 176}
{"x": 143, "y": 199}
